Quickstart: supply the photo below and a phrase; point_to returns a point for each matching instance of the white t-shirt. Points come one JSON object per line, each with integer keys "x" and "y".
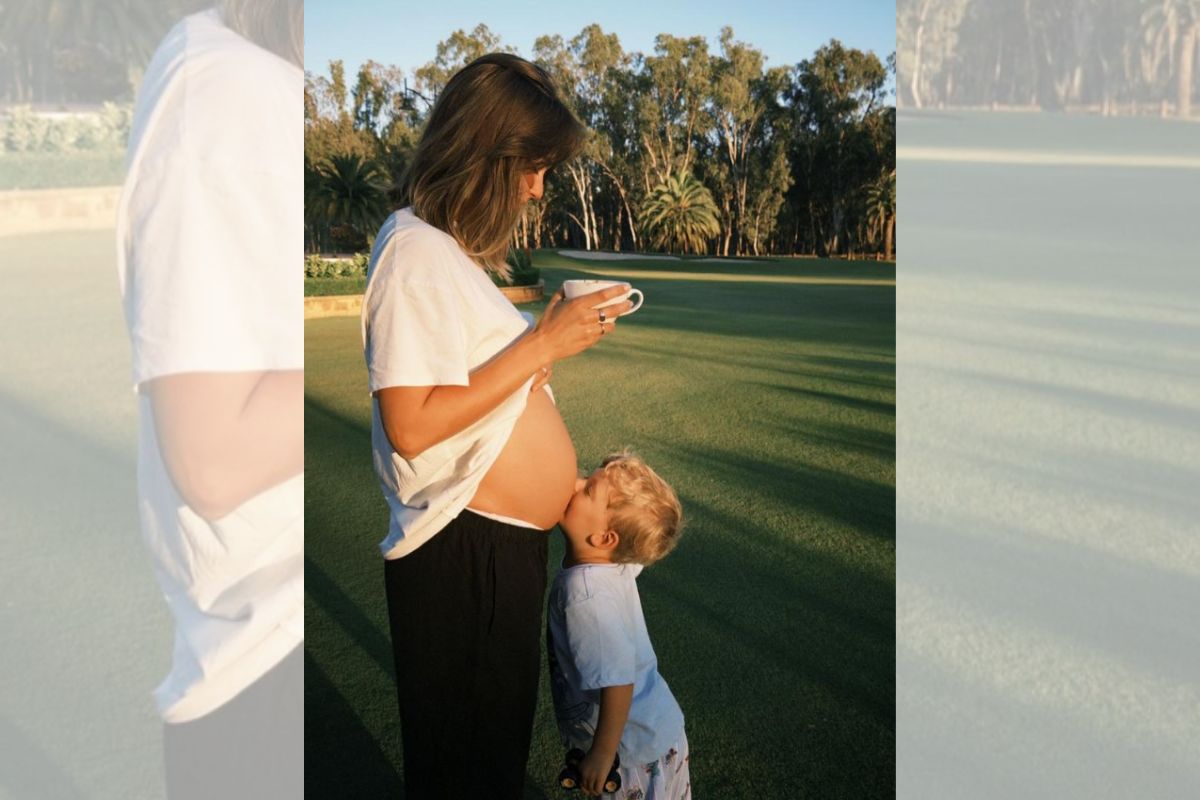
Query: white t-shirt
{"x": 596, "y": 638}
{"x": 209, "y": 243}
{"x": 430, "y": 316}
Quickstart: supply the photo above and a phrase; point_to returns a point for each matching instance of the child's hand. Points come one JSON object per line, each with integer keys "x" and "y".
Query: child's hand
{"x": 593, "y": 771}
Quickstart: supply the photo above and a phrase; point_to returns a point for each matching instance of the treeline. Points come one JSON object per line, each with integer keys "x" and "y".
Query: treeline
{"x": 59, "y": 52}
{"x": 689, "y": 151}
{"x": 1113, "y": 56}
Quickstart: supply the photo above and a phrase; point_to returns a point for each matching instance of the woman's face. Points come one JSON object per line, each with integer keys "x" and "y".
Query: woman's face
{"x": 533, "y": 184}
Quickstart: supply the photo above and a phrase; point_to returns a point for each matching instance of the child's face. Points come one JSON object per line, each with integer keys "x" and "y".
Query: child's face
{"x": 587, "y": 513}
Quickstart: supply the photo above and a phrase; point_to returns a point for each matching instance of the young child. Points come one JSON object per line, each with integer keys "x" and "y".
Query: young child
{"x": 608, "y": 695}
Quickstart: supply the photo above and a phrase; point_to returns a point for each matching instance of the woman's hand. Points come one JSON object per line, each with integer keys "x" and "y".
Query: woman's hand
{"x": 569, "y": 327}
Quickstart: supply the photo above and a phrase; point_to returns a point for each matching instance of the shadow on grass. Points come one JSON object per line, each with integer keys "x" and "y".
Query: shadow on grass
{"x": 341, "y": 757}
{"x": 868, "y": 508}
{"x": 773, "y": 635}
{"x": 341, "y": 608}
{"x": 849, "y": 401}
{"x": 831, "y": 314}
{"x": 28, "y": 771}
{"x": 879, "y": 444}
{"x": 885, "y": 371}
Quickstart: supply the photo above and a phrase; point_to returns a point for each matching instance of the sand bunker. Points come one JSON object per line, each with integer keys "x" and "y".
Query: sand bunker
{"x": 599, "y": 256}
{"x": 594, "y": 255}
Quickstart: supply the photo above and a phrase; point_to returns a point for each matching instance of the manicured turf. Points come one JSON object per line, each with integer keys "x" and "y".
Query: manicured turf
{"x": 765, "y": 394}
{"x": 86, "y": 635}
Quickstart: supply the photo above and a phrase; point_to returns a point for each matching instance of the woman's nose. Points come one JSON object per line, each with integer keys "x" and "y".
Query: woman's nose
{"x": 580, "y": 483}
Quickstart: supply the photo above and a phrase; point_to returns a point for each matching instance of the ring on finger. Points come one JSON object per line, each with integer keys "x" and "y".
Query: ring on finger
{"x": 602, "y": 317}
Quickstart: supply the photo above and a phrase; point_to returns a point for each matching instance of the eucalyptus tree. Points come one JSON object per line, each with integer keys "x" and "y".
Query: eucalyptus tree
{"x": 1173, "y": 26}
{"x": 66, "y": 50}
{"x": 562, "y": 64}
{"x": 881, "y": 209}
{"x": 672, "y": 105}
{"x": 602, "y": 68}
{"x": 750, "y": 129}
{"x": 927, "y": 40}
{"x": 454, "y": 53}
{"x": 838, "y": 103}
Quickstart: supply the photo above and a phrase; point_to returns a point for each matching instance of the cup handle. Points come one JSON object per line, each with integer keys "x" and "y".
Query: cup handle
{"x": 641, "y": 299}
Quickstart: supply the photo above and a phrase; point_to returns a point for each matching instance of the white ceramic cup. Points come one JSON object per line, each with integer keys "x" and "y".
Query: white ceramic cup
{"x": 578, "y": 288}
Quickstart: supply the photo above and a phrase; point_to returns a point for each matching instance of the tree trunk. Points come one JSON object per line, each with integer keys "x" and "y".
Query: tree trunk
{"x": 914, "y": 86}
{"x": 1187, "y": 60}
{"x": 617, "y": 230}
{"x": 590, "y": 210}
{"x": 891, "y": 230}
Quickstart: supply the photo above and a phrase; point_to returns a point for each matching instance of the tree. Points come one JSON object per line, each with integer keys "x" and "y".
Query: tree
{"x": 349, "y": 190}
{"x": 1174, "y": 26}
{"x": 453, "y": 54}
{"x": 671, "y": 94}
{"x": 680, "y": 214}
{"x": 840, "y": 120}
{"x": 65, "y": 50}
{"x": 738, "y": 109}
{"x": 881, "y": 209}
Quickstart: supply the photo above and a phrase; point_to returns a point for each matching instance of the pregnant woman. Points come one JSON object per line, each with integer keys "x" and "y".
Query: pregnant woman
{"x": 471, "y": 452}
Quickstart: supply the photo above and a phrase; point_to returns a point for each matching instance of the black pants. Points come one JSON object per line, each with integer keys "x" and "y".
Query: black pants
{"x": 466, "y": 616}
{"x": 251, "y": 747}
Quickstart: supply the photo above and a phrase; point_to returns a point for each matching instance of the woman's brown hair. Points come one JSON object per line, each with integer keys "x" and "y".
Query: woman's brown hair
{"x": 498, "y": 118}
{"x": 275, "y": 25}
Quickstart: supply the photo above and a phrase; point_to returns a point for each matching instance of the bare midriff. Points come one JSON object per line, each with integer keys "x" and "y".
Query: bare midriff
{"x": 534, "y": 476}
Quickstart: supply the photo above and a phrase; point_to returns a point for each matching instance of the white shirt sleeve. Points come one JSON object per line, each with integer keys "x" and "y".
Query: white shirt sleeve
{"x": 415, "y": 334}
{"x": 213, "y": 282}
{"x": 599, "y": 642}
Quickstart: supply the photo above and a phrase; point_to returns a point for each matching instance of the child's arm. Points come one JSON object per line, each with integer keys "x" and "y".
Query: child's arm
{"x": 614, "y": 710}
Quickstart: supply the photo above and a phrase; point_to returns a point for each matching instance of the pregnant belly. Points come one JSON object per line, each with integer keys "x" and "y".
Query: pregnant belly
{"x": 534, "y": 476}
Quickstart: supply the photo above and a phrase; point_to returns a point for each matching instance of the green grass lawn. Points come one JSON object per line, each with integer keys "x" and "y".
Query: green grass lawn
{"x": 86, "y": 634}
{"x": 765, "y": 393}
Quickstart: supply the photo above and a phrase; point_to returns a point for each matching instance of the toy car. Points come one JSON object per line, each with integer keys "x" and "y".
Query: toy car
{"x": 569, "y": 778}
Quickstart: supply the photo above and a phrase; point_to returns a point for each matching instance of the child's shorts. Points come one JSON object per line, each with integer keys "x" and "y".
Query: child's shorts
{"x": 665, "y": 779}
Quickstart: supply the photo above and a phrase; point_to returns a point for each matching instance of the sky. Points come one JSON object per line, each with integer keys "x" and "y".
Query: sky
{"x": 406, "y": 34}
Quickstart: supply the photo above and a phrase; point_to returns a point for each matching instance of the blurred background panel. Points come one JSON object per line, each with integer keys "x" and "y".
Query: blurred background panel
{"x": 1048, "y": 341}
{"x": 86, "y": 635}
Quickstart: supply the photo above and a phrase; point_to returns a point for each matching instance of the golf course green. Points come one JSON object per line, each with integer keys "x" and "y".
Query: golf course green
{"x": 764, "y": 392}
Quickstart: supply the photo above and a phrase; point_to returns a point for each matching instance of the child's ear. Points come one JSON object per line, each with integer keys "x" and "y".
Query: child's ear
{"x": 604, "y": 541}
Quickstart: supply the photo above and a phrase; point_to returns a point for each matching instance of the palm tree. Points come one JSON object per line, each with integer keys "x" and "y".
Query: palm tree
{"x": 680, "y": 214}
{"x": 1175, "y": 26}
{"x": 347, "y": 189}
{"x": 881, "y": 208}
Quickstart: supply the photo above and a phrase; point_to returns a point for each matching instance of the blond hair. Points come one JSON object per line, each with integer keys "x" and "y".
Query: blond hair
{"x": 275, "y": 25}
{"x": 498, "y": 118}
{"x": 643, "y": 510}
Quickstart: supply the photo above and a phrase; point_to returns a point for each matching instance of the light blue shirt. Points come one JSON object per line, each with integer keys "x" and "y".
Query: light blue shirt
{"x": 596, "y": 637}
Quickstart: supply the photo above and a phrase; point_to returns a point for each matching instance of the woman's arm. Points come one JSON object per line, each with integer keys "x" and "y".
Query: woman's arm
{"x": 615, "y": 702}
{"x": 227, "y": 436}
{"x": 417, "y": 417}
